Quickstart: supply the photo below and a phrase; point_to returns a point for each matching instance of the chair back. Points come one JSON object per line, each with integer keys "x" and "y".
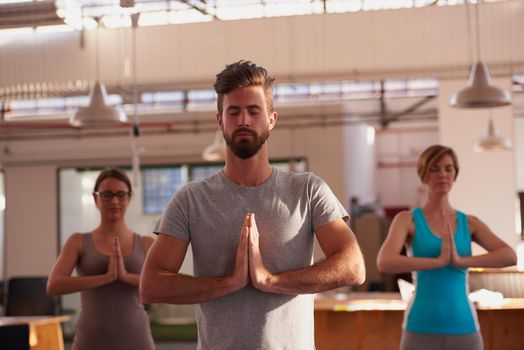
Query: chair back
{"x": 14, "y": 337}
{"x": 27, "y": 296}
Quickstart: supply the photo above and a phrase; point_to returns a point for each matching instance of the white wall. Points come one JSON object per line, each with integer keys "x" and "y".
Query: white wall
{"x": 31, "y": 220}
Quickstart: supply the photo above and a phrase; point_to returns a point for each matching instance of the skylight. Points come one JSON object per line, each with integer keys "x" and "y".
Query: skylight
{"x": 80, "y": 14}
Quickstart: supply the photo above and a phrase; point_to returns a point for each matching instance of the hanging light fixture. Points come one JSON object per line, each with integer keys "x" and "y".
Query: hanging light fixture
{"x": 491, "y": 141}
{"x": 136, "y": 149}
{"x": 216, "y": 151}
{"x": 480, "y": 92}
{"x": 98, "y": 113}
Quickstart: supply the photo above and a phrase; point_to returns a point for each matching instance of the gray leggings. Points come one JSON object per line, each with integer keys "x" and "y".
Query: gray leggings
{"x": 426, "y": 341}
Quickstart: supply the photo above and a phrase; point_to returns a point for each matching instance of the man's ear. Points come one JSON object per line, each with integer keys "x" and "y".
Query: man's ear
{"x": 219, "y": 120}
{"x": 273, "y": 116}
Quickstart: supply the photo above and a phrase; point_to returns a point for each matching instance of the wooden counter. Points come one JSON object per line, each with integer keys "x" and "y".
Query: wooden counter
{"x": 371, "y": 321}
{"x": 45, "y": 332}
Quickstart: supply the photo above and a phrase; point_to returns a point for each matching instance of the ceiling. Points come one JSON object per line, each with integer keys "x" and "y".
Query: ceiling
{"x": 381, "y": 110}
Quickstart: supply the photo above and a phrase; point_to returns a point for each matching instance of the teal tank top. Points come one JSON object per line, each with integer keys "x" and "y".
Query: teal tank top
{"x": 440, "y": 304}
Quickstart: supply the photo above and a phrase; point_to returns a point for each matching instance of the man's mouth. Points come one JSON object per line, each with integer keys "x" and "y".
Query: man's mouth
{"x": 244, "y": 133}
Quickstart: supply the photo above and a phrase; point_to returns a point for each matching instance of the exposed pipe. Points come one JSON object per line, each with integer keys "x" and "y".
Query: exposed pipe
{"x": 196, "y": 127}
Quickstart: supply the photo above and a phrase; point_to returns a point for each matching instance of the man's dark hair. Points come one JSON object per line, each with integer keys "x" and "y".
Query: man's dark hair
{"x": 243, "y": 74}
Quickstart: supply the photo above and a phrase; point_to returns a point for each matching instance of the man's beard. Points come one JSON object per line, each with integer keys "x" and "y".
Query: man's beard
{"x": 245, "y": 148}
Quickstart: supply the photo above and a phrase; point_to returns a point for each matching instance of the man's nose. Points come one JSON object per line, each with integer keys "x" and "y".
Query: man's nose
{"x": 244, "y": 119}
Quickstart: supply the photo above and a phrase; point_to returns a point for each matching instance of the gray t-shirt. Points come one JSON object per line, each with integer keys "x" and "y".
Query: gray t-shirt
{"x": 288, "y": 208}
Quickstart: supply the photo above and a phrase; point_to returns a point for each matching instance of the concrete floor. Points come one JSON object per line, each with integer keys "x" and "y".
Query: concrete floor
{"x": 163, "y": 346}
{"x": 176, "y": 346}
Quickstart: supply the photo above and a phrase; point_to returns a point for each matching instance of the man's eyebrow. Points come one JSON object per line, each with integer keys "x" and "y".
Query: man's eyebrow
{"x": 248, "y": 107}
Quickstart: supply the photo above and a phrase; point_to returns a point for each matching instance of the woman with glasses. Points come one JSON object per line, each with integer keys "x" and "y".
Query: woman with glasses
{"x": 438, "y": 240}
{"x": 108, "y": 261}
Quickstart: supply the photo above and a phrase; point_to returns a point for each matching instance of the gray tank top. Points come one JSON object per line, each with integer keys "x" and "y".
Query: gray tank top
{"x": 112, "y": 316}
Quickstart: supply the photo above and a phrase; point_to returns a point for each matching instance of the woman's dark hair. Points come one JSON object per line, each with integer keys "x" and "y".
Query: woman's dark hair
{"x": 113, "y": 173}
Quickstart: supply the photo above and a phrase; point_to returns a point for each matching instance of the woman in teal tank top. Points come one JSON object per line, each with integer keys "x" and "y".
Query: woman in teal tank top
{"x": 438, "y": 241}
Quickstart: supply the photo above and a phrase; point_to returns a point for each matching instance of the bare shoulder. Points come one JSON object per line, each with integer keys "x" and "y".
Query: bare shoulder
{"x": 475, "y": 224}
{"x": 75, "y": 243}
{"x": 403, "y": 222}
{"x": 404, "y": 218}
{"x": 472, "y": 219}
{"x": 76, "y": 239}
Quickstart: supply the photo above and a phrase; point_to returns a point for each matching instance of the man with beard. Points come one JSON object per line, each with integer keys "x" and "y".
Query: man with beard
{"x": 253, "y": 278}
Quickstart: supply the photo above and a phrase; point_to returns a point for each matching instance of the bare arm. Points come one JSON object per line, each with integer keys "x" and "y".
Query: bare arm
{"x": 343, "y": 265}
{"x": 60, "y": 280}
{"x": 161, "y": 281}
{"x": 499, "y": 253}
{"x": 390, "y": 259}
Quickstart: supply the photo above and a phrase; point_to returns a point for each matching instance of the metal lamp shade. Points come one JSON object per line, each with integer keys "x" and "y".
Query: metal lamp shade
{"x": 217, "y": 150}
{"x": 98, "y": 113}
{"x": 480, "y": 92}
{"x": 491, "y": 141}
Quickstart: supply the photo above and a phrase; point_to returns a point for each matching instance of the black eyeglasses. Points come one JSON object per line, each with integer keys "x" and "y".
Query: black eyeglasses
{"x": 108, "y": 195}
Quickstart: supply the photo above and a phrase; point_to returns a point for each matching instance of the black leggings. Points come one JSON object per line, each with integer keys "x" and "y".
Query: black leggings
{"x": 427, "y": 341}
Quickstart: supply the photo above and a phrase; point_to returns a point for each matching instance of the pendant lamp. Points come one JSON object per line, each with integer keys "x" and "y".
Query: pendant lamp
{"x": 480, "y": 92}
{"x": 216, "y": 151}
{"x": 98, "y": 113}
{"x": 491, "y": 141}
{"x": 136, "y": 149}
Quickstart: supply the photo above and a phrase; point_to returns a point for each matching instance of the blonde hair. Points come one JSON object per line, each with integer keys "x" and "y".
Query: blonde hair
{"x": 431, "y": 156}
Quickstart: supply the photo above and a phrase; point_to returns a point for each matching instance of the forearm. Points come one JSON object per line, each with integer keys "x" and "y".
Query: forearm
{"x": 176, "y": 288}
{"x": 339, "y": 270}
{"x": 403, "y": 264}
{"x": 59, "y": 285}
{"x": 132, "y": 279}
{"x": 497, "y": 258}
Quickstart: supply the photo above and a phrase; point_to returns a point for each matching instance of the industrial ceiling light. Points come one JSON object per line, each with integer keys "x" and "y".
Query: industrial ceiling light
{"x": 98, "y": 113}
{"x": 491, "y": 141}
{"x": 480, "y": 92}
{"x": 216, "y": 151}
{"x": 136, "y": 149}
